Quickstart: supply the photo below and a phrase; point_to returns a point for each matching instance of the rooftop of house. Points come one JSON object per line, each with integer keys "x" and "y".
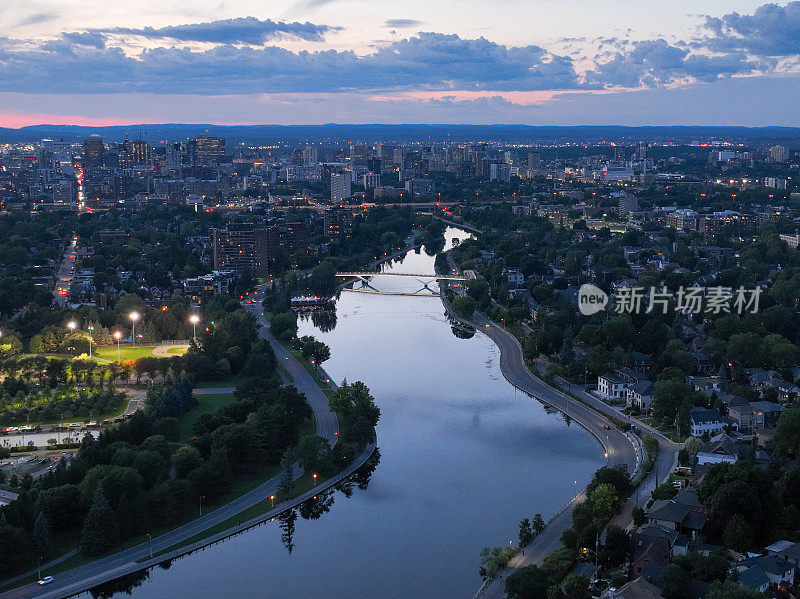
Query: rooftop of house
{"x": 704, "y": 416}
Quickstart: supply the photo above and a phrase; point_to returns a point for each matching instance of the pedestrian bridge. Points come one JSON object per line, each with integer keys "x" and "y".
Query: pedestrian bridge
{"x": 425, "y": 280}
{"x": 369, "y": 275}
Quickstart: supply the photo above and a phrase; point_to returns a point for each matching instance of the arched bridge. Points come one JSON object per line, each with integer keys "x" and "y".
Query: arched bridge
{"x": 425, "y": 279}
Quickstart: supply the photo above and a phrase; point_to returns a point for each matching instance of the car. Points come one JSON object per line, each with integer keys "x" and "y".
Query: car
{"x": 608, "y": 427}
{"x": 45, "y": 580}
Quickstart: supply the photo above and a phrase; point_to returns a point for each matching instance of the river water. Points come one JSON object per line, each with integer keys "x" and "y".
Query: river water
{"x": 463, "y": 457}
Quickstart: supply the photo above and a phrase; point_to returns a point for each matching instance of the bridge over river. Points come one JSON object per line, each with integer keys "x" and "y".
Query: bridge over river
{"x": 424, "y": 279}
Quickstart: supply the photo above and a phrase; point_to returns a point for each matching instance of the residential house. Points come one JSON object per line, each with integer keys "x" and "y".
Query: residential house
{"x": 640, "y": 394}
{"x": 768, "y": 570}
{"x": 721, "y": 448}
{"x": 514, "y": 278}
{"x": 616, "y": 384}
{"x": 704, "y": 421}
{"x": 654, "y": 544}
{"x": 683, "y": 513}
{"x": 757, "y": 415}
{"x": 635, "y": 589}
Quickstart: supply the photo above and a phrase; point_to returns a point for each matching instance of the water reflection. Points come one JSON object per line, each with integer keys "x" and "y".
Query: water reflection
{"x": 124, "y": 584}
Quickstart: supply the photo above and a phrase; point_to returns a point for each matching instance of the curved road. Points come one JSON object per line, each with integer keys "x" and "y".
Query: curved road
{"x": 619, "y": 448}
{"x": 79, "y": 579}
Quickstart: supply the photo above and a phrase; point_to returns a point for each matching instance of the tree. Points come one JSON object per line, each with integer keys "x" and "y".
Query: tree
{"x": 616, "y": 547}
{"x": 674, "y": 582}
{"x": 99, "y": 527}
{"x": 464, "y": 307}
{"x": 668, "y": 396}
{"x": 787, "y": 437}
{"x": 494, "y": 559}
{"x": 604, "y": 500}
{"x": 314, "y": 454}
{"x": 525, "y": 532}
{"x": 738, "y": 534}
{"x": 567, "y": 354}
{"x": 42, "y": 534}
{"x": 186, "y": 459}
{"x": 576, "y": 586}
{"x": 731, "y": 590}
{"x": 529, "y": 582}
{"x": 537, "y": 524}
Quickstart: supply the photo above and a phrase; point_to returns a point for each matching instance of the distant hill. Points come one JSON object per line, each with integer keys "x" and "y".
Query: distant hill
{"x": 400, "y": 133}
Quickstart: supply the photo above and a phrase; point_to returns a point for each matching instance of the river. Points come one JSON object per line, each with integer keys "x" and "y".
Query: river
{"x": 463, "y": 457}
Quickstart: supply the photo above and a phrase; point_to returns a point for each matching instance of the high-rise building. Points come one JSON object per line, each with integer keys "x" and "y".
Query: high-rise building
{"x": 341, "y": 186}
{"x": 627, "y": 203}
{"x": 778, "y": 153}
{"x": 371, "y": 180}
{"x": 310, "y": 155}
{"x": 93, "y": 151}
{"x": 534, "y": 161}
{"x": 140, "y": 151}
{"x": 500, "y": 172}
{"x": 359, "y": 153}
{"x": 619, "y": 153}
{"x": 337, "y": 222}
{"x": 242, "y": 248}
{"x": 374, "y": 165}
{"x": 202, "y": 150}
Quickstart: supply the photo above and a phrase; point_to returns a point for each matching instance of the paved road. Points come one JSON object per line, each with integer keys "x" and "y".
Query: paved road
{"x": 666, "y": 461}
{"x": 618, "y": 446}
{"x": 74, "y": 581}
{"x": 64, "y": 275}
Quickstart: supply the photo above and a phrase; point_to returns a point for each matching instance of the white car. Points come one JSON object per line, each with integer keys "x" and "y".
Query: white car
{"x": 46, "y": 580}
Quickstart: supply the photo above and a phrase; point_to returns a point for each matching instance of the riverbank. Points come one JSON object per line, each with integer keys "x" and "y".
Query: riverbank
{"x": 135, "y": 558}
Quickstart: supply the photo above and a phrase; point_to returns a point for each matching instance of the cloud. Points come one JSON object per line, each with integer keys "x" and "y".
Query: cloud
{"x": 401, "y": 23}
{"x": 425, "y": 61}
{"x": 656, "y": 62}
{"x": 242, "y": 30}
{"x": 772, "y": 30}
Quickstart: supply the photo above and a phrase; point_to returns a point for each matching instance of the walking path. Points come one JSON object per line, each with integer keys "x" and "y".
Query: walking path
{"x": 138, "y": 557}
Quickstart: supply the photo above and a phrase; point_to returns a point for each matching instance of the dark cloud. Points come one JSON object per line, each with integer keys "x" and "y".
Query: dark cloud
{"x": 425, "y": 61}
{"x": 401, "y": 23}
{"x": 243, "y": 30}
{"x": 656, "y": 62}
{"x": 92, "y": 39}
{"x": 772, "y": 30}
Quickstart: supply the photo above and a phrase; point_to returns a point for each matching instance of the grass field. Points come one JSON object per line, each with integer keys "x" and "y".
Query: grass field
{"x": 206, "y": 403}
{"x": 127, "y": 352}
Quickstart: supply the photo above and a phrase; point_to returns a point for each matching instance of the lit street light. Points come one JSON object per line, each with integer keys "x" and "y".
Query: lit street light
{"x": 134, "y": 316}
{"x": 272, "y": 499}
{"x": 194, "y": 319}
{"x": 314, "y": 476}
{"x": 118, "y": 336}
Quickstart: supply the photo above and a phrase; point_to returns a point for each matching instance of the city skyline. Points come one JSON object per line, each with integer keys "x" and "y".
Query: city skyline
{"x": 540, "y": 63}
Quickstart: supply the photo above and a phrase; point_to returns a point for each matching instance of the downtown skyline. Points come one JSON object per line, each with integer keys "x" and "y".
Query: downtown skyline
{"x": 538, "y": 63}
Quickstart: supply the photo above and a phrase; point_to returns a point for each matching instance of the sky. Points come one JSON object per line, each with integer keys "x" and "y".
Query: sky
{"x": 537, "y": 62}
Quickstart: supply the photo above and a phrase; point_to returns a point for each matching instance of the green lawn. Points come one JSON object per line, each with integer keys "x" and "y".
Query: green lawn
{"x": 206, "y": 403}
{"x": 126, "y": 352}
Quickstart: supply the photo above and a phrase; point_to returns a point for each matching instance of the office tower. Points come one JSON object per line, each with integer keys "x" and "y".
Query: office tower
{"x": 534, "y": 161}
{"x": 641, "y": 151}
{"x": 93, "y": 152}
{"x": 204, "y": 150}
{"x": 619, "y": 153}
{"x": 341, "y": 186}
{"x": 374, "y": 165}
{"x": 359, "y": 153}
{"x": 140, "y": 151}
{"x": 371, "y": 180}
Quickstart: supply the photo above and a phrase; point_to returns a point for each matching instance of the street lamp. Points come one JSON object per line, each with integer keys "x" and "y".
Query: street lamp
{"x": 272, "y": 499}
{"x": 194, "y": 319}
{"x": 201, "y": 504}
{"x": 134, "y": 316}
{"x": 91, "y": 330}
{"x": 151, "y": 544}
{"x": 118, "y": 336}
{"x": 314, "y": 476}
